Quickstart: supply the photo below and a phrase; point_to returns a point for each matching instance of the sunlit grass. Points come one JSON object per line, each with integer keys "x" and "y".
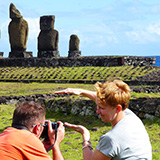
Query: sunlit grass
{"x": 89, "y": 73}
{"x": 71, "y": 146}
{"x": 18, "y": 89}
{"x": 8, "y": 88}
{"x": 6, "y": 112}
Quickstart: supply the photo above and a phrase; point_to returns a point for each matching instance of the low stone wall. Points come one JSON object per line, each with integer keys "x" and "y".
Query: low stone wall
{"x": 139, "y": 61}
{"x": 143, "y": 107}
{"x": 79, "y": 61}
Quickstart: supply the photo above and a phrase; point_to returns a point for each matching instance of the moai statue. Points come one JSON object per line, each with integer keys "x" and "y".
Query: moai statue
{"x": 1, "y": 53}
{"x": 18, "y": 34}
{"x": 74, "y": 46}
{"x": 48, "y": 38}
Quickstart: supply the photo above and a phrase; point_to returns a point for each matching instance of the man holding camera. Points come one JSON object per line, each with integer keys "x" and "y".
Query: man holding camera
{"x": 21, "y": 141}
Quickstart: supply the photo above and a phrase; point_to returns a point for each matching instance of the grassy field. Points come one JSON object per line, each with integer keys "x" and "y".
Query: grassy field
{"x": 11, "y": 88}
{"x": 19, "y": 88}
{"x": 71, "y": 146}
{"x": 41, "y": 74}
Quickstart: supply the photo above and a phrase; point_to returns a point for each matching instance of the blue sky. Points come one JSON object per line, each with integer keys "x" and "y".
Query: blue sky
{"x": 104, "y": 27}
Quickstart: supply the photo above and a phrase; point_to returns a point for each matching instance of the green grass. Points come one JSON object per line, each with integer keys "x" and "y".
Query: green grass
{"x": 6, "y": 112}
{"x": 126, "y": 73}
{"x": 145, "y": 95}
{"x": 71, "y": 145}
{"x": 18, "y": 89}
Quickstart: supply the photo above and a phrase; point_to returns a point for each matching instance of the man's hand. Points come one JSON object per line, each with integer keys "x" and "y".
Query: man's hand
{"x": 60, "y": 133}
{"x": 51, "y": 135}
{"x": 46, "y": 144}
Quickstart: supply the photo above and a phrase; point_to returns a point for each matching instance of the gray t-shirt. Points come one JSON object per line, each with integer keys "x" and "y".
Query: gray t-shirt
{"x": 127, "y": 140}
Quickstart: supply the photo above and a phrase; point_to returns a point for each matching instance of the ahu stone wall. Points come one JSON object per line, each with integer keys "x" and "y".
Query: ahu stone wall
{"x": 107, "y": 61}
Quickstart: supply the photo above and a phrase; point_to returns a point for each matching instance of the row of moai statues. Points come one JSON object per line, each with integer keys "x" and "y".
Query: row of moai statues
{"x": 48, "y": 37}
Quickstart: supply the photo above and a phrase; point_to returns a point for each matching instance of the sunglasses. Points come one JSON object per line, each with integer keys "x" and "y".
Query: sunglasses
{"x": 37, "y": 124}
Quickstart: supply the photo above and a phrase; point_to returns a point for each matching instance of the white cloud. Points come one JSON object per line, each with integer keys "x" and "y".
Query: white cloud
{"x": 155, "y": 9}
{"x": 145, "y": 34}
{"x": 34, "y": 27}
{"x": 154, "y": 28}
{"x": 98, "y": 32}
{"x": 135, "y": 36}
{"x": 4, "y": 30}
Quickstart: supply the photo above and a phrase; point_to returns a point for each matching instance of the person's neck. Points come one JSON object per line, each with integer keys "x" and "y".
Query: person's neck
{"x": 118, "y": 118}
{"x": 20, "y": 127}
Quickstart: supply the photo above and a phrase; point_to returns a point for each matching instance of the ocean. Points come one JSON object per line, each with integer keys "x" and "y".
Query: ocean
{"x": 157, "y": 60}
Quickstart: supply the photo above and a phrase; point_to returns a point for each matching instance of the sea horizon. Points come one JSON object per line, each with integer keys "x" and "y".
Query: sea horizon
{"x": 157, "y": 60}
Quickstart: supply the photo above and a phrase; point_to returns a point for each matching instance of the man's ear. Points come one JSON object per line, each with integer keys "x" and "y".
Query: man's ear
{"x": 36, "y": 129}
{"x": 119, "y": 108}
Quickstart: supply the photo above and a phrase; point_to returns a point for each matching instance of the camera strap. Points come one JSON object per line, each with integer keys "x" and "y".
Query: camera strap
{"x": 55, "y": 139}
{"x": 20, "y": 127}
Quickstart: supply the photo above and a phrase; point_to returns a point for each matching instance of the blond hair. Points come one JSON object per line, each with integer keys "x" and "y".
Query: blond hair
{"x": 113, "y": 93}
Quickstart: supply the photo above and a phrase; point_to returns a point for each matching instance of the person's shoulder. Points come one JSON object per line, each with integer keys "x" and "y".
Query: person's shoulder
{"x": 129, "y": 114}
{"x": 108, "y": 137}
{"x": 128, "y": 111}
{"x": 107, "y": 144}
{"x": 21, "y": 134}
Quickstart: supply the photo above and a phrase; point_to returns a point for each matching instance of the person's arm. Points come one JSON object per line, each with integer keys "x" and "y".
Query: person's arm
{"x": 87, "y": 148}
{"x": 100, "y": 156}
{"x": 88, "y": 153}
{"x": 57, "y": 155}
{"x": 77, "y": 91}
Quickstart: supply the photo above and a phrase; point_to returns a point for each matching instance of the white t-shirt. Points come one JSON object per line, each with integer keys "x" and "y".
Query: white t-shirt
{"x": 127, "y": 140}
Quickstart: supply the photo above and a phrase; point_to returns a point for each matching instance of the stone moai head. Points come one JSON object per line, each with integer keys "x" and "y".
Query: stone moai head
{"x": 14, "y": 12}
{"x": 74, "y": 43}
{"x": 47, "y": 22}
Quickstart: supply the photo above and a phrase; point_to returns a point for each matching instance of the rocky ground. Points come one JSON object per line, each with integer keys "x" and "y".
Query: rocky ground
{"x": 147, "y": 89}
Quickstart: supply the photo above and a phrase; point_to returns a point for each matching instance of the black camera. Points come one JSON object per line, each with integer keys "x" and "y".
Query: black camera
{"x": 45, "y": 131}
